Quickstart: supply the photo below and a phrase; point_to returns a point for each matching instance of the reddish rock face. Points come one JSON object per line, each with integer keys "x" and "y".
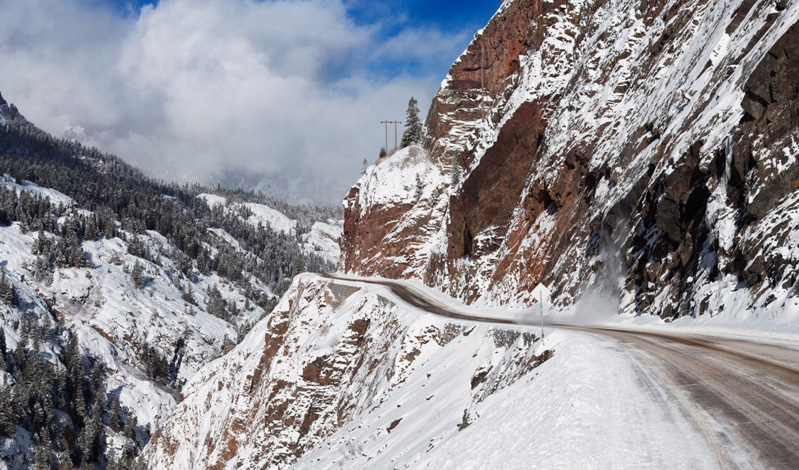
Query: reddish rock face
{"x": 492, "y": 190}
{"x": 364, "y": 238}
{"x": 610, "y": 167}
{"x": 487, "y": 67}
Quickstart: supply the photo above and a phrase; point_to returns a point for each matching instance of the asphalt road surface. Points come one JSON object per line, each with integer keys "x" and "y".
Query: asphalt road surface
{"x": 742, "y": 395}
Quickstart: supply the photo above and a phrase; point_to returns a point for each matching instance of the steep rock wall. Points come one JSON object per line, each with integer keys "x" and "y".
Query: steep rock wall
{"x": 630, "y": 148}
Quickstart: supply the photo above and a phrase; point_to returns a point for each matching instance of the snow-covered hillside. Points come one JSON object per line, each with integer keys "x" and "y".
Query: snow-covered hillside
{"x": 112, "y": 317}
{"x": 332, "y": 353}
{"x": 259, "y": 214}
{"x": 345, "y": 374}
{"x": 51, "y": 195}
{"x": 322, "y": 239}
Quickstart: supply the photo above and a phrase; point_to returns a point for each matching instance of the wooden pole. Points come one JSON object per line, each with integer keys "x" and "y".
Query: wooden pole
{"x": 541, "y": 301}
{"x": 386, "y": 124}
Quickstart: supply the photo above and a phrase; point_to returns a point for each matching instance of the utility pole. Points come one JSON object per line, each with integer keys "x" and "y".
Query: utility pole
{"x": 386, "y": 123}
{"x": 395, "y": 132}
{"x": 541, "y": 303}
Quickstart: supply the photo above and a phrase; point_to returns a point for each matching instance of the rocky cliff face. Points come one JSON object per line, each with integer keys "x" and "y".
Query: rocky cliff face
{"x": 335, "y": 353}
{"x": 643, "y": 150}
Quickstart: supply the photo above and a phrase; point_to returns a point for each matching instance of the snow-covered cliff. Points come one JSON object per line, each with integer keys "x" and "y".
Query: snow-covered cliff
{"x": 643, "y": 150}
{"x": 336, "y": 353}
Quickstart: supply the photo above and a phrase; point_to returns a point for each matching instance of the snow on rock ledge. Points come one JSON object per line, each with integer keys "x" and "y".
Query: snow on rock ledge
{"x": 393, "y": 215}
{"x": 330, "y": 353}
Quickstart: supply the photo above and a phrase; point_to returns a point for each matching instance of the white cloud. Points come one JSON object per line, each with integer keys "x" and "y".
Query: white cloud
{"x": 422, "y": 44}
{"x": 190, "y": 89}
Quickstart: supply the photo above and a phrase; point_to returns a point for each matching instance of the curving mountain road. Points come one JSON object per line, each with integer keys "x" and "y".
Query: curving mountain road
{"x": 742, "y": 396}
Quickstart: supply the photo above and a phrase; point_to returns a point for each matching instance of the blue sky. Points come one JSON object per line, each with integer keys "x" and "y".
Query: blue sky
{"x": 195, "y": 90}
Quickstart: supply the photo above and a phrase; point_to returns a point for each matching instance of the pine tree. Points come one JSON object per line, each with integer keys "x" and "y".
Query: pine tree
{"x": 41, "y": 244}
{"x": 131, "y": 425}
{"x": 216, "y": 305}
{"x": 91, "y": 440}
{"x": 6, "y": 412}
{"x": 115, "y": 415}
{"x": 7, "y": 294}
{"x": 146, "y": 360}
{"x": 413, "y": 126}
{"x": 43, "y": 459}
{"x": 21, "y": 353}
{"x": 3, "y": 347}
{"x": 188, "y": 295}
{"x": 42, "y": 271}
{"x": 137, "y": 275}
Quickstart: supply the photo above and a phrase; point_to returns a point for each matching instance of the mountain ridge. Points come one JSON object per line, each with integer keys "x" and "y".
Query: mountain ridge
{"x": 147, "y": 280}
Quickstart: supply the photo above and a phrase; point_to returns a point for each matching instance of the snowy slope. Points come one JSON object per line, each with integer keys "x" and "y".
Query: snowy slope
{"x": 268, "y": 217}
{"x": 586, "y": 407}
{"x": 261, "y": 215}
{"x": 113, "y": 319}
{"x": 323, "y": 240}
{"x": 344, "y": 375}
{"x": 329, "y": 352}
{"x": 52, "y": 195}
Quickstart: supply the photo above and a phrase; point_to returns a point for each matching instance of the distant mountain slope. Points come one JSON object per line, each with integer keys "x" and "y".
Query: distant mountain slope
{"x": 150, "y": 281}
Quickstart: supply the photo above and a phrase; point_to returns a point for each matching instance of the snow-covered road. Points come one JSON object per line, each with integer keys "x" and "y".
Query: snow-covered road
{"x": 743, "y": 396}
{"x": 736, "y": 401}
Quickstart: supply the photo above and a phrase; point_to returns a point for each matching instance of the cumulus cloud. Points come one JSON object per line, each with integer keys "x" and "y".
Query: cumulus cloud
{"x": 278, "y": 91}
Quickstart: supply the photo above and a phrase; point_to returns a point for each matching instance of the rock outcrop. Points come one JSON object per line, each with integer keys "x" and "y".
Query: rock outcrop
{"x": 641, "y": 150}
{"x": 335, "y": 353}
